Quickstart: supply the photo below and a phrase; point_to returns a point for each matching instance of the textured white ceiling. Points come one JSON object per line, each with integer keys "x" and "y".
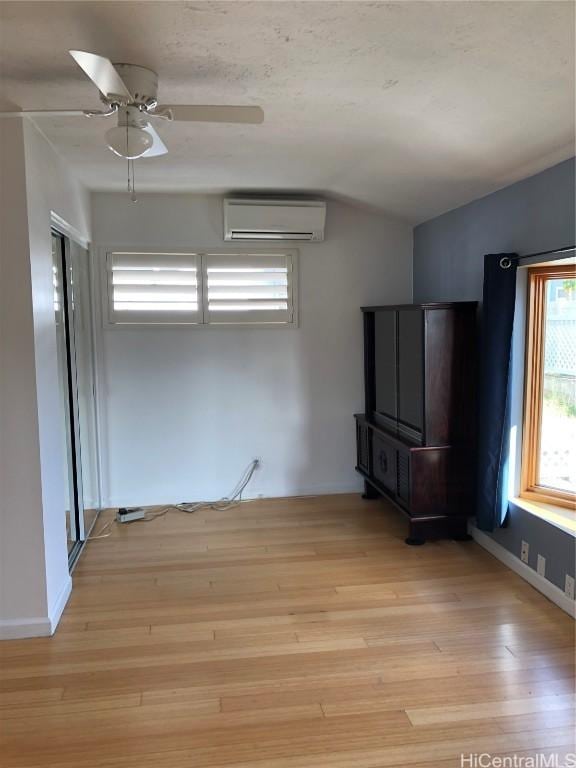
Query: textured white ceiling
{"x": 413, "y": 107}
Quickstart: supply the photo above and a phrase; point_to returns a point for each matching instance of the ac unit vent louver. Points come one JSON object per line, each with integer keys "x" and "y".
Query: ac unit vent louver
{"x": 301, "y": 220}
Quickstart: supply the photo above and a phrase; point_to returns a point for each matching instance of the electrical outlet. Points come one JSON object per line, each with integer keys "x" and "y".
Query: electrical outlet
{"x": 524, "y": 552}
{"x": 569, "y": 587}
{"x": 541, "y": 565}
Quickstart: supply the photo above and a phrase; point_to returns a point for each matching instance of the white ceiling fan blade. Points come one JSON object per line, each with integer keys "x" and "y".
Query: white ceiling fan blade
{"x": 102, "y": 73}
{"x": 158, "y": 147}
{"x": 214, "y": 114}
{"x": 45, "y": 113}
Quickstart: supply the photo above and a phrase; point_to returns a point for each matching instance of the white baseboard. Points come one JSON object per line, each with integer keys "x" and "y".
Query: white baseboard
{"x": 549, "y": 590}
{"x": 59, "y": 604}
{"x": 249, "y": 495}
{"x": 44, "y": 626}
{"x": 325, "y": 489}
{"x": 17, "y": 629}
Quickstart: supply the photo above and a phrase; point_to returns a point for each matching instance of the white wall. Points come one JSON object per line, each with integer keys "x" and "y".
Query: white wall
{"x": 21, "y": 537}
{"x": 185, "y": 409}
{"x": 34, "y": 562}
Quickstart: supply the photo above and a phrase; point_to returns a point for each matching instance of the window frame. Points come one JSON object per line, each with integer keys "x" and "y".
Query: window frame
{"x": 533, "y": 388}
{"x": 104, "y": 257}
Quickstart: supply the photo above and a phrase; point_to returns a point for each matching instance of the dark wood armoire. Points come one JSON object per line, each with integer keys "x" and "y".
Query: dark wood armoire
{"x": 416, "y": 438}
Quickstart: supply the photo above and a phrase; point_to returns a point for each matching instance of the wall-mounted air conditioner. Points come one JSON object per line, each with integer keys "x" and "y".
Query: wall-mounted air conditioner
{"x": 274, "y": 219}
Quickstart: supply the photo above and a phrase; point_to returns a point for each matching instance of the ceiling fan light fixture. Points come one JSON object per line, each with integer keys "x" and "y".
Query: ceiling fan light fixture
{"x": 128, "y": 141}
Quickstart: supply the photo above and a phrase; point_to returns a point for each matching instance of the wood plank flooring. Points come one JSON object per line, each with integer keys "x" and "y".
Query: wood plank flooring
{"x": 288, "y": 633}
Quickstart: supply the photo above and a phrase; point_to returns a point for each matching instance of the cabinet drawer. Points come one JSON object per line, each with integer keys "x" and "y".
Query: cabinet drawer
{"x": 384, "y": 463}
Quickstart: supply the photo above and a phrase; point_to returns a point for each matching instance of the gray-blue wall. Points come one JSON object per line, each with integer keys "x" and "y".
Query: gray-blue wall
{"x": 537, "y": 214}
{"x": 534, "y": 215}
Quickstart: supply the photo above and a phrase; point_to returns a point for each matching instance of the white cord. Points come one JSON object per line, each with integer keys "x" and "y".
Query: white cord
{"x": 227, "y": 502}
{"x": 103, "y": 533}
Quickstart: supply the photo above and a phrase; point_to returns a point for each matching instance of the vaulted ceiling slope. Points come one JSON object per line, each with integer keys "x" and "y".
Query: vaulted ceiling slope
{"x": 412, "y": 107}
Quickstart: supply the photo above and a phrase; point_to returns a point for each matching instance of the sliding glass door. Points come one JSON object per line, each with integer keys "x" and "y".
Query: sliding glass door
{"x": 73, "y": 315}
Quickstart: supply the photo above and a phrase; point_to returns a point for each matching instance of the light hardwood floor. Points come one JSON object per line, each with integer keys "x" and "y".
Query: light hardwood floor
{"x": 290, "y": 633}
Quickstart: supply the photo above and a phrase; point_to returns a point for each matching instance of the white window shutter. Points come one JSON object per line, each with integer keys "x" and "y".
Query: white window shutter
{"x": 250, "y": 289}
{"x": 153, "y": 288}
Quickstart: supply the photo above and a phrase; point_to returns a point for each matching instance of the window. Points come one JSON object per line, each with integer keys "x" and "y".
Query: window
{"x": 153, "y": 288}
{"x": 252, "y": 289}
{"x": 549, "y": 443}
{"x": 247, "y": 288}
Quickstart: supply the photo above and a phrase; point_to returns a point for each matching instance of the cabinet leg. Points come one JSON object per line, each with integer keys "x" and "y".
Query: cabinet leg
{"x": 415, "y": 537}
{"x": 369, "y": 491}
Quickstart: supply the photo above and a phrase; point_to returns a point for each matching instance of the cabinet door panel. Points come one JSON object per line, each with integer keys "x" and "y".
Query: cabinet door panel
{"x": 410, "y": 368}
{"x": 385, "y": 362}
{"x": 385, "y": 463}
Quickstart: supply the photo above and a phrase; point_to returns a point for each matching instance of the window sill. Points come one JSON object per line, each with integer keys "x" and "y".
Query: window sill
{"x": 559, "y": 517}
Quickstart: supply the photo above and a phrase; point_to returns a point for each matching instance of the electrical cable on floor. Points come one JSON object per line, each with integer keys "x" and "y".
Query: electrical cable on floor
{"x": 103, "y": 533}
{"x": 227, "y": 502}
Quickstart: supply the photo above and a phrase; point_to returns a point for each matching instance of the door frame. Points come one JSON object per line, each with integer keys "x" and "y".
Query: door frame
{"x": 68, "y": 235}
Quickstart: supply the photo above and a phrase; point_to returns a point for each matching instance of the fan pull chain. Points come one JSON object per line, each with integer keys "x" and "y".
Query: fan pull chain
{"x": 131, "y": 185}
{"x": 133, "y": 195}
{"x": 128, "y": 161}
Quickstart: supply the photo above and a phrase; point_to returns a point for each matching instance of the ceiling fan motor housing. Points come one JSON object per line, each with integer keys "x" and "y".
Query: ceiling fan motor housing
{"x": 142, "y": 84}
{"x": 133, "y": 117}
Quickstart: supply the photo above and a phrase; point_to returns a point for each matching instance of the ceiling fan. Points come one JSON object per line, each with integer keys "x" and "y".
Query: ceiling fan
{"x": 130, "y": 92}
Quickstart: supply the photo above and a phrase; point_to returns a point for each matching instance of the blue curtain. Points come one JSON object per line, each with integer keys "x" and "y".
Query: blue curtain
{"x": 499, "y": 296}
